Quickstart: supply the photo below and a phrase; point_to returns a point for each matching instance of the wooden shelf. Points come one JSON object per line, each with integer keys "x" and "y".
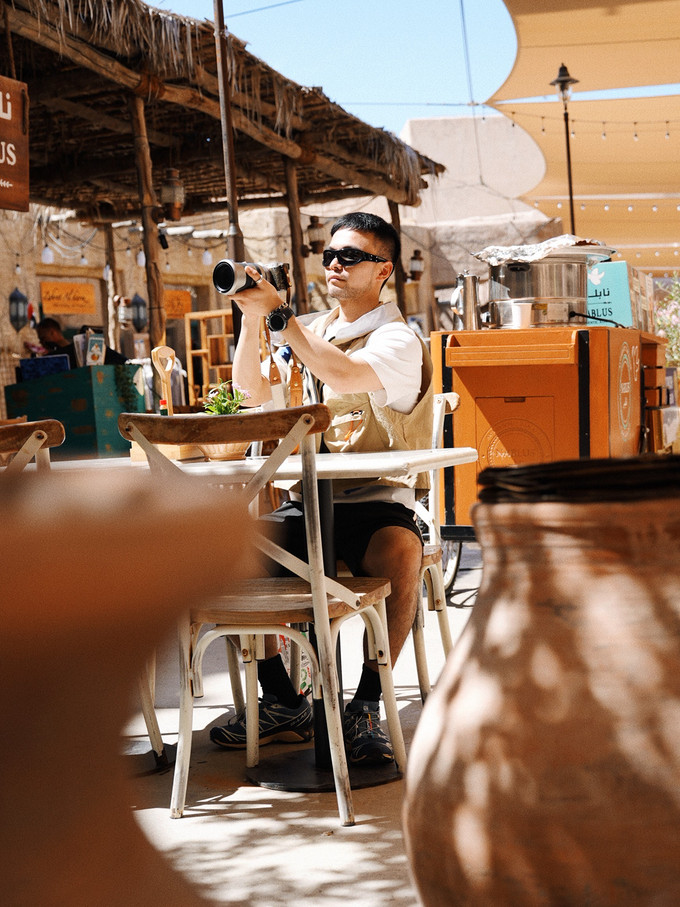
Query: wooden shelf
{"x": 213, "y": 354}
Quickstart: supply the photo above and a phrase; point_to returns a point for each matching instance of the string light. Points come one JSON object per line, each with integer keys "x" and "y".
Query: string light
{"x": 543, "y": 125}
{"x": 17, "y": 266}
{"x": 606, "y": 207}
{"x": 635, "y": 135}
{"x": 668, "y": 134}
{"x": 141, "y": 258}
{"x": 83, "y": 260}
{"x": 604, "y": 132}
{"x": 207, "y": 257}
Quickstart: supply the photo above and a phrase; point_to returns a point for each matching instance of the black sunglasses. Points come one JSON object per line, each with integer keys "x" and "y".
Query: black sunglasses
{"x": 347, "y": 257}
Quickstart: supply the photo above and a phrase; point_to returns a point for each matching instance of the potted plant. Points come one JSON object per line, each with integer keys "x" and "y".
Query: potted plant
{"x": 225, "y": 400}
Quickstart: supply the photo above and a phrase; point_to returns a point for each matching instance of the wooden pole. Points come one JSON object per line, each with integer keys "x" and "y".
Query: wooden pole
{"x": 149, "y": 203}
{"x": 399, "y": 276}
{"x": 235, "y": 245}
{"x": 113, "y": 324}
{"x": 296, "y": 238}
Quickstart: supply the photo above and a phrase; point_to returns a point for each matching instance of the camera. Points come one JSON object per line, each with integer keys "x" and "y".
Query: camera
{"x": 230, "y": 277}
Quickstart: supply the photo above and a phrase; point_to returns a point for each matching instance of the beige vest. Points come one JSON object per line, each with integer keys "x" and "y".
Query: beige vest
{"x": 359, "y": 424}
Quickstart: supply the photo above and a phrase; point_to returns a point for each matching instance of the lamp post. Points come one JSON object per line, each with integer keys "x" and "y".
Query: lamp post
{"x": 563, "y": 83}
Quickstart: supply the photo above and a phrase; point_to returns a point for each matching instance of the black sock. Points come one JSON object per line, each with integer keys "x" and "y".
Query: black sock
{"x": 275, "y": 679}
{"x": 369, "y": 687}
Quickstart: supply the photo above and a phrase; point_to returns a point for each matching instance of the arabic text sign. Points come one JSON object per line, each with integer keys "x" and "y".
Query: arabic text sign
{"x": 67, "y": 298}
{"x": 13, "y": 145}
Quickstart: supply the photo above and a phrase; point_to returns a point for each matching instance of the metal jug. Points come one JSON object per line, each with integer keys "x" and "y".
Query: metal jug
{"x": 465, "y": 302}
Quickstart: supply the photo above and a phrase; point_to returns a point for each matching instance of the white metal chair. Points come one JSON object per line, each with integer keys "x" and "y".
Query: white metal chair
{"x": 271, "y": 604}
{"x": 432, "y": 573}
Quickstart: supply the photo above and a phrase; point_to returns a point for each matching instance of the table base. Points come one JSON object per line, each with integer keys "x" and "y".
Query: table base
{"x": 297, "y": 771}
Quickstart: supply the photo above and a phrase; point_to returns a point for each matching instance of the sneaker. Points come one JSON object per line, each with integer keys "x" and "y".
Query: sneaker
{"x": 277, "y": 723}
{"x": 365, "y": 740}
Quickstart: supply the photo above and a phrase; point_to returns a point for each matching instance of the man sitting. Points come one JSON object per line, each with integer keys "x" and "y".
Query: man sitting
{"x": 368, "y": 366}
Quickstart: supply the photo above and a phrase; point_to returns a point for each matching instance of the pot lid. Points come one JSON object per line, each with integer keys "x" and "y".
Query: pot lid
{"x": 566, "y": 247}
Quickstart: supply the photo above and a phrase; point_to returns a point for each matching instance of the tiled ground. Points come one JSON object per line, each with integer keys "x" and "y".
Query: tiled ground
{"x": 245, "y": 844}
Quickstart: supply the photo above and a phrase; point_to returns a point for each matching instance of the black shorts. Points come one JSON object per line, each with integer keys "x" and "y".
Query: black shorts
{"x": 354, "y": 526}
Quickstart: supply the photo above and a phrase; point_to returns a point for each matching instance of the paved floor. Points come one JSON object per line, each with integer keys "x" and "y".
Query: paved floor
{"x": 242, "y": 844}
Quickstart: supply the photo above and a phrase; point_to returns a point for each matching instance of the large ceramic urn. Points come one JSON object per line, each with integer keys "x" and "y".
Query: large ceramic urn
{"x": 545, "y": 769}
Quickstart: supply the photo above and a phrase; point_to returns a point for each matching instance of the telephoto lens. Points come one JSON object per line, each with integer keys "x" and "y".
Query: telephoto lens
{"x": 230, "y": 276}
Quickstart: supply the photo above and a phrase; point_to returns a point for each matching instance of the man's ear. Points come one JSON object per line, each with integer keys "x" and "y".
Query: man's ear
{"x": 385, "y": 271}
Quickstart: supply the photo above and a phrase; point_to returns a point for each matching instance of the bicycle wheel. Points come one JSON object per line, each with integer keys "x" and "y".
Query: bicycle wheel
{"x": 451, "y": 552}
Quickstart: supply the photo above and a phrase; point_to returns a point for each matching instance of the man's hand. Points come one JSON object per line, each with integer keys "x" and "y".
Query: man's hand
{"x": 259, "y": 300}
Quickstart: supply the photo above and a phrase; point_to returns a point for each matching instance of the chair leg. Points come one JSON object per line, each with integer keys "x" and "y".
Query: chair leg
{"x": 386, "y": 682}
{"x": 418, "y": 633}
{"x": 151, "y": 720}
{"x": 234, "y": 667}
{"x": 248, "y": 644}
{"x": 186, "y": 709}
{"x": 438, "y": 593}
{"x": 336, "y": 740}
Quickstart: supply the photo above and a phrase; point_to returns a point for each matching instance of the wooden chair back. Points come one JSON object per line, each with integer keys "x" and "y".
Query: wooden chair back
{"x": 27, "y": 440}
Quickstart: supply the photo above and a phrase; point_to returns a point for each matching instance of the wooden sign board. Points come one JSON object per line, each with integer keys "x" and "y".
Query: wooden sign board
{"x": 176, "y": 303}
{"x": 67, "y": 298}
{"x": 13, "y": 145}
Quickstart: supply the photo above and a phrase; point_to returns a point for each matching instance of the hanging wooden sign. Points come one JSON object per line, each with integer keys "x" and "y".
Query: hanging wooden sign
{"x": 67, "y": 298}
{"x": 176, "y": 303}
{"x": 13, "y": 145}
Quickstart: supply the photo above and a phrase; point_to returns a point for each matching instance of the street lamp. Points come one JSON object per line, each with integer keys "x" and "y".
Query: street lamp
{"x": 563, "y": 83}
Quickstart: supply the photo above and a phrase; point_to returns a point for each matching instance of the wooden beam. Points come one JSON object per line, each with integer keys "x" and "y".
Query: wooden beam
{"x": 45, "y": 35}
{"x": 399, "y": 276}
{"x": 154, "y": 281}
{"x": 89, "y": 115}
{"x": 296, "y": 239}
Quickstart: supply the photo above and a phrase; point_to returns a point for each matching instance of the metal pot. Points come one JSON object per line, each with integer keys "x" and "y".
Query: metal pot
{"x": 534, "y": 293}
{"x": 555, "y": 277}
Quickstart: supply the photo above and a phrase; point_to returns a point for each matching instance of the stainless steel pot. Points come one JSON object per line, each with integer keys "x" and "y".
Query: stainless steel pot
{"x": 543, "y": 292}
{"x": 555, "y": 277}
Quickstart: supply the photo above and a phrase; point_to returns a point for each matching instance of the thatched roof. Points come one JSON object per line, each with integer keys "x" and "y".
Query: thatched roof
{"x": 83, "y": 59}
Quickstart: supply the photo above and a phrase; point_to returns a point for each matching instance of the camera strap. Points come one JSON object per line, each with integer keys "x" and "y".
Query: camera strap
{"x": 275, "y": 381}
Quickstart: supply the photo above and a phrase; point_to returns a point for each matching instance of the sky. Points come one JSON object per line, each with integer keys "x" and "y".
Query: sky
{"x": 384, "y": 61}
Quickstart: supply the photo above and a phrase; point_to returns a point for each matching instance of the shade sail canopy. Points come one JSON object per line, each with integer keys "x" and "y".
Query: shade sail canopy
{"x": 625, "y": 151}
{"x": 84, "y": 59}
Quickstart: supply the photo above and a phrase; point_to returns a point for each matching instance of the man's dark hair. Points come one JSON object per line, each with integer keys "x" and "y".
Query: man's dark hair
{"x": 363, "y": 222}
{"x": 49, "y": 323}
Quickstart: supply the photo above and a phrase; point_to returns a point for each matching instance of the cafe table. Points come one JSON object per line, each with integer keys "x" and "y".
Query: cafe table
{"x": 309, "y": 769}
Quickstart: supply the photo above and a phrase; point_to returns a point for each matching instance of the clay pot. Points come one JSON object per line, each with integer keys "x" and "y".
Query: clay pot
{"x": 545, "y": 768}
{"x": 235, "y": 450}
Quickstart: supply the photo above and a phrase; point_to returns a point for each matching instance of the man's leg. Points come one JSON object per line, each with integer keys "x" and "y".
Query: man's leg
{"x": 285, "y": 715}
{"x": 395, "y": 553}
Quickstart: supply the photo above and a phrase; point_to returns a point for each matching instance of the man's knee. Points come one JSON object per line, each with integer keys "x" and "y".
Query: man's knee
{"x": 393, "y": 551}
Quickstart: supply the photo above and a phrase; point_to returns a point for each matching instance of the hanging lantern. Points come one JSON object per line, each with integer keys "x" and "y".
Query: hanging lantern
{"x": 18, "y": 309}
{"x": 416, "y": 265}
{"x": 172, "y": 195}
{"x": 316, "y": 235}
{"x": 139, "y": 312}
